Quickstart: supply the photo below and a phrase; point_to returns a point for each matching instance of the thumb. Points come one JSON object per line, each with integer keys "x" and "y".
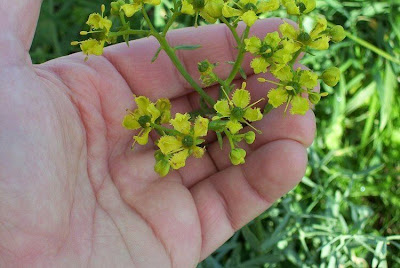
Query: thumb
{"x": 18, "y": 20}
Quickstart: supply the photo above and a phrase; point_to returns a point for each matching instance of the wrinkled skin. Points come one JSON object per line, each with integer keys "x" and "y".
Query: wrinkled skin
{"x": 73, "y": 194}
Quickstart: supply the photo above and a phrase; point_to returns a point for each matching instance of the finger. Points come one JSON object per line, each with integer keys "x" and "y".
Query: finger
{"x": 231, "y": 198}
{"x": 19, "y": 19}
{"x": 161, "y": 79}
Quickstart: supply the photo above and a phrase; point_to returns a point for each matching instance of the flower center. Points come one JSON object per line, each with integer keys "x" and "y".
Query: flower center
{"x": 237, "y": 113}
{"x": 266, "y": 50}
{"x": 198, "y": 4}
{"x": 144, "y": 121}
{"x": 304, "y": 37}
{"x": 188, "y": 141}
{"x": 250, "y": 6}
{"x": 293, "y": 88}
{"x": 302, "y": 7}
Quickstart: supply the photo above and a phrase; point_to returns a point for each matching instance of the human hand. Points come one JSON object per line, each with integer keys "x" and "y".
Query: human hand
{"x": 73, "y": 194}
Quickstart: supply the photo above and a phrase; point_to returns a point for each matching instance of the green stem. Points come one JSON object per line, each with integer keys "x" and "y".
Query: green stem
{"x": 169, "y": 23}
{"x": 239, "y": 59}
{"x": 171, "y": 54}
{"x": 228, "y": 135}
{"x": 134, "y": 32}
{"x": 166, "y": 130}
{"x": 293, "y": 61}
{"x": 232, "y": 29}
{"x": 370, "y": 46}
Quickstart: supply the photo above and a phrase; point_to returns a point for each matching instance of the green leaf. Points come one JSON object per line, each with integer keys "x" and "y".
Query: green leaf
{"x": 386, "y": 95}
{"x": 156, "y": 55}
{"x": 220, "y": 140}
{"x": 187, "y": 47}
{"x": 251, "y": 238}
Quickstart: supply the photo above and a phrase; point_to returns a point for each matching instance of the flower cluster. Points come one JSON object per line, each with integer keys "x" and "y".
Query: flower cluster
{"x": 99, "y": 30}
{"x": 232, "y": 114}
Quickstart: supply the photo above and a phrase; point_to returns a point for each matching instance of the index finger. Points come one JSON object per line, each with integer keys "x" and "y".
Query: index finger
{"x": 161, "y": 78}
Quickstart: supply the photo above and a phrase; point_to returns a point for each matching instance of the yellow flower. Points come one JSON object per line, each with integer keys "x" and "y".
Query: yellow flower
{"x": 92, "y": 47}
{"x": 98, "y": 22}
{"x": 99, "y": 29}
{"x": 130, "y": 9}
{"x": 297, "y": 7}
{"x": 291, "y": 91}
{"x": 238, "y": 110}
{"x": 210, "y": 10}
{"x": 272, "y": 50}
{"x": 316, "y": 39}
{"x": 146, "y": 114}
{"x": 248, "y": 10}
{"x": 178, "y": 148}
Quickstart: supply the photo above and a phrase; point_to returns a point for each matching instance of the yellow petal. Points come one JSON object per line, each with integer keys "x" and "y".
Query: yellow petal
{"x": 164, "y": 106}
{"x": 272, "y": 39}
{"x": 131, "y": 9}
{"x": 267, "y": 6}
{"x": 253, "y": 44}
{"x": 308, "y": 79}
{"x": 187, "y": 8}
{"x": 310, "y": 5}
{"x": 249, "y": 17}
{"x": 142, "y": 103}
{"x": 291, "y": 7}
{"x": 200, "y": 127}
{"x": 130, "y": 122}
{"x": 144, "y": 137}
{"x": 321, "y": 43}
{"x": 181, "y": 123}
{"x": 259, "y": 65}
{"x": 282, "y": 72}
{"x": 319, "y": 27}
{"x": 169, "y": 144}
{"x": 152, "y": 2}
{"x": 253, "y": 114}
{"x": 222, "y": 107}
{"x": 234, "y": 126}
{"x": 241, "y": 98}
{"x": 228, "y": 11}
{"x": 92, "y": 47}
{"x": 276, "y": 97}
{"x": 178, "y": 160}
{"x": 198, "y": 152}
{"x": 288, "y": 31}
{"x": 214, "y": 8}
{"x": 300, "y": 105}
{"x": 207, "y": 17}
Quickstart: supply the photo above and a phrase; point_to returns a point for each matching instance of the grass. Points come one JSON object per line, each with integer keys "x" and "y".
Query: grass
{"x": 346, "y": 211}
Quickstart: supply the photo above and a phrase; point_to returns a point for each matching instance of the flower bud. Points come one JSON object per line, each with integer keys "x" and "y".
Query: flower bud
{"x": 162, "y": 167}
{"x": 314, "y": 98}
{"x": 337, "y": 33}
{"x": 214, "y": 8}
{"x": 249, "y": 137}
{"x": 237, "y": 156}
{"x": 204, "y": 67}
{"x": 116, "y": 7}
{"x": 331, "y": 76}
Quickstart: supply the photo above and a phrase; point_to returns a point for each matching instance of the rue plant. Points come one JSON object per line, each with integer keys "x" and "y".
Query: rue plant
{"x": 232, "y": 114}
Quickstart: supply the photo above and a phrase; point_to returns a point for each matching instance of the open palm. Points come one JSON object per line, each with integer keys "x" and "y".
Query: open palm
{"x": 73, "y": 194}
